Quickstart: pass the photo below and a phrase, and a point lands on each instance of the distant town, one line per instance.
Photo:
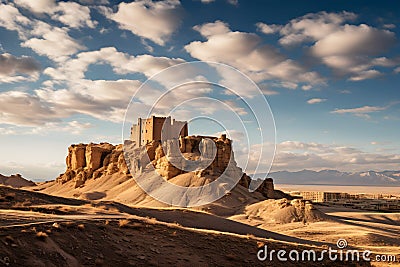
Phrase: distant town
(363, 201)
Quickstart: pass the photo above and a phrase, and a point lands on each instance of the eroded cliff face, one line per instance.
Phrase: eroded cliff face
(91, 161)
(197, 153)
(174, 157)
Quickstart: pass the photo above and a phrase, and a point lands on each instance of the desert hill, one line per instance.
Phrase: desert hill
(100, 172)
(16, 181)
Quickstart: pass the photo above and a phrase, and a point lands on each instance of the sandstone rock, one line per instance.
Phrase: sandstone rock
(76, 156)
(93, 161)
(95, 155)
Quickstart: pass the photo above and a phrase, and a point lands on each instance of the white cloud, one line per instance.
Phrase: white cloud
(122, 63)
(13, 20)
(246, 52)
(315, 100)
(74, 15)
(349, 50)
(210, 29)
(268, 29)
(153, 20)
(14, 68)
(53, 42)
(361, 111)
(41, 37)
(37, 6)
(20, 108)
(313, 27)
(354, 40)
(296, 155)
(71, 14)
(104, 100)
(367, 74)
(207, 1)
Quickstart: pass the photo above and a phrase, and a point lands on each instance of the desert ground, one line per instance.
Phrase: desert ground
(42, 230)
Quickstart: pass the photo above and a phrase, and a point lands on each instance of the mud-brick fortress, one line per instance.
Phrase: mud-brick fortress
(152, 129)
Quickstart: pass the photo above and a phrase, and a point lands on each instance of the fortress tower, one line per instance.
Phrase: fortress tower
(147, 130)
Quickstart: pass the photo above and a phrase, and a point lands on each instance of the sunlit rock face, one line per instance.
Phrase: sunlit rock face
(205, 156)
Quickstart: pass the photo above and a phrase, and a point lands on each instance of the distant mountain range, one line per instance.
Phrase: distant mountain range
(333, 177)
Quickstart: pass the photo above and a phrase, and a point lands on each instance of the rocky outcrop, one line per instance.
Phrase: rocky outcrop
(204, 156)
(91, 161)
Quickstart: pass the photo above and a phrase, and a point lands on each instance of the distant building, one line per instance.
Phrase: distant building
(147, 130)
(323, 196)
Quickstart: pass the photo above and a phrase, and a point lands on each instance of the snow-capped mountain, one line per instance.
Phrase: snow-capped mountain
(333, 177)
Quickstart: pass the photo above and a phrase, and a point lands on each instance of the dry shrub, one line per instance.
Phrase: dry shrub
(56, 225)
(123, 223)
(260, 244)
(41, 236)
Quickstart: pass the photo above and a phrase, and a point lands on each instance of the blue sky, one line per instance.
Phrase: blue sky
(329, 70)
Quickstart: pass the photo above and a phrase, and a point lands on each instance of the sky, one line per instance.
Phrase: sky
(329, 70)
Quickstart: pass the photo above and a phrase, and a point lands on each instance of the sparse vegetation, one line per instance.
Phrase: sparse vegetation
(123, 223)
(41, 236)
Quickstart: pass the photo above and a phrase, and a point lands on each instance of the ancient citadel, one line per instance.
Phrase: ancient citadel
(156, 129)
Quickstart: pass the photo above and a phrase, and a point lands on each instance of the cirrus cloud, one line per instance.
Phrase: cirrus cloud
(315, 100)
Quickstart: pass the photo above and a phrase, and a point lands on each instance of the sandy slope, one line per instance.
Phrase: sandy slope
(378, 232)
(43, 230)
(123, 189)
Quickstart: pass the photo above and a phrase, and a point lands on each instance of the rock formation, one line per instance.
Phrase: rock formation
(91, 161)
(205, 156)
